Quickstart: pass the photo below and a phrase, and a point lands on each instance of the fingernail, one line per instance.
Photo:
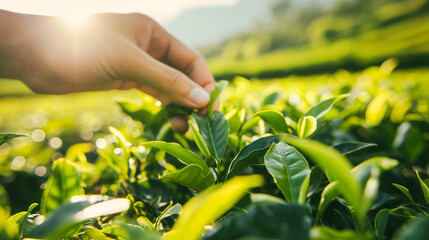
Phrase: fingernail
(199, 96)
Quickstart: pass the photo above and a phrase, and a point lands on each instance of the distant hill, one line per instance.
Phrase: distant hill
(207, 25)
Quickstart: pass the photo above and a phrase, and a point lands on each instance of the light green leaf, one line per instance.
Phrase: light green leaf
(249, 125)
(352, 146)
(214, 130)
(219, 87)
(323, 107)
(288, 168)
(265, 198)
(404, 212)
(192, 177)
(302, 198)
(123, 160)
(209, 205)
(271, 98)
(307, 125)
(94, 234)
(424, 186)
(275, 119)
(198, 138)
(333, 163)
(67, 219)
(4, 137)
(250, 153)
(326, 233)
(377, 109)
(20, 218)
(64, 183)
(328, 195)
(380, 223)
(185, 156)
(168, 211)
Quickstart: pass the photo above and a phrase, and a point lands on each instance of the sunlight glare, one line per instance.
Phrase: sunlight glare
(75, 20)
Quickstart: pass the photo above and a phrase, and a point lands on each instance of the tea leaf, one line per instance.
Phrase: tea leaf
(199, 139)
(377, 109)
(307, 125)
(209, 205)
(219, 87)
(214, 130)
(4, 137)
(415, 229)
(288, 168)
(250, 153)
(327, 233)
(380, 223)
(323, 107)
(275, 119)
(407, 194)
(185, 156)
(191, 176)
(292, 221)
(64, 183)
(352, 146)
(424, 186)
(21, 218)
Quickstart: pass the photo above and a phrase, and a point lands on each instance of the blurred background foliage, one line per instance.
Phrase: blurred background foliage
(299, 55)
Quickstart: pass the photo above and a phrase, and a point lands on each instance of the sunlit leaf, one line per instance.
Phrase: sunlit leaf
(377, 109)
(192, 177)
(20, 218)
(219, 87)
(307, 125)
(123, 160)
(94, 234)
(326, 233)
(275, 119)
(209, 205)
(214, 130)
(288, 168)
(323, 107)
(64, 183)
(199, 139)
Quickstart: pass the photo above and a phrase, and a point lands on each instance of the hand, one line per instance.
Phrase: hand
(112, 51)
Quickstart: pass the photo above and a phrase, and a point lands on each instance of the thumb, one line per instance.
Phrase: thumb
(172, 83)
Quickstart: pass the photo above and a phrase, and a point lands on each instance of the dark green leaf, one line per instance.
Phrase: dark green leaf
(192, 177)
(136, 112)
(275, 119)
(417, 229)
(4, 137)
(404, 212)
(214, 130)
(288, 168)
(407, 194)
(250, 153)
(351, 147)
(291, 221)
(380, 223)
(64, 183)
(185, 156)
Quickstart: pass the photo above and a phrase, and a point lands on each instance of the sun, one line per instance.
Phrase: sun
(75, 21)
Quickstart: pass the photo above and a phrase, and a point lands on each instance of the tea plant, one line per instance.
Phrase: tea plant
(334, 165)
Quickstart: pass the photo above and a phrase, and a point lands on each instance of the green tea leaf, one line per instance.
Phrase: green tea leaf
(275, 119)
(199, 139)
(63, 221)
(404, 212)
(4, 137)
(327, 233)
(292, 221)
(214, 130)
(333, 163)
(192, 177)
(413, 230)
(307, 125)
(407, 194)
(209, 205)
(94, 234)
(122, 162)
(185, 156)
(219, 87)
(265, 198)
(377, 109)
(135, 111)
(328, 195)
(250, 153)
(323, 107)
(352, 146)
(64, 183)
(271, 98)
(20, 218)
(380, 223)
(424, 186)
(288, 168)
(170, 210)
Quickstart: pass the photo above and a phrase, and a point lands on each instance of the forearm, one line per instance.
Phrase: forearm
(14, 44)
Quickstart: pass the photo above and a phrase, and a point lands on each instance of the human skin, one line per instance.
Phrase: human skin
(111, 51)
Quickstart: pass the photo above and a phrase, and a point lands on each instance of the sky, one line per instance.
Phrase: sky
(75, 10)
